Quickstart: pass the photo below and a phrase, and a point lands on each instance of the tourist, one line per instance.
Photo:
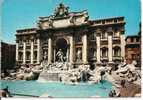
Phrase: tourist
(5, 92)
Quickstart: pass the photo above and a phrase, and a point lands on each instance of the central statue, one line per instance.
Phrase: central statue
(60, 55)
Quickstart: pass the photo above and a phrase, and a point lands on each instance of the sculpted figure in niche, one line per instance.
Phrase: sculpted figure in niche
(45, 55)
(78, 55)
(60, 55)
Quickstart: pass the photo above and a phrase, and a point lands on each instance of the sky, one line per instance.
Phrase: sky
(21, 14)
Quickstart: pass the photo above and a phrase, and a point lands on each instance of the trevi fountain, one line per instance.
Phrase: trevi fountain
(62, 79)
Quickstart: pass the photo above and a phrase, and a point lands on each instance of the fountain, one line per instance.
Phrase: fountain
(64, 72)
(61, 70)
(53, 72)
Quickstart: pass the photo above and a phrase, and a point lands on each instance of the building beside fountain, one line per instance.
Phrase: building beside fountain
(71, 37)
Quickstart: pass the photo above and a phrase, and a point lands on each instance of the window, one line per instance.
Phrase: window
(117, 51)
(78, 54)
(20, 42)
(92, 36)
(104, 35)
(137, 39)
(116, 34)
(134, 56)
(20, 56)
(104, 52)
(27, 41)
(35, 55)
(27, 55)
(132, 39)
(92, 53)
(20, 47)
(35, 41)
(115, 20)
(78, 38)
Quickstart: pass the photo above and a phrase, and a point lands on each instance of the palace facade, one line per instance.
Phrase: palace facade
(81, 40)
(133, 48)
(7, 57)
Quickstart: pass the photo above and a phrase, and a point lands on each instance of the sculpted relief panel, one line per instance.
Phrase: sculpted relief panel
(61, 23)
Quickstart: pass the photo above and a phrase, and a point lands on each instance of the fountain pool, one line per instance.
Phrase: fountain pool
(57, 89)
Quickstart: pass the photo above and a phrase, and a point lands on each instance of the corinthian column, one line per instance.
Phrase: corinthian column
(98, 47)
(122, 37)
(16, 51)
(38, 51)
(49, 50)
(24, 52)
(110, 46)
(71, 49)
(84, 49)
(32, 51)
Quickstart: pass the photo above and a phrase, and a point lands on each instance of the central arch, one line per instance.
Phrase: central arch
(63, 45)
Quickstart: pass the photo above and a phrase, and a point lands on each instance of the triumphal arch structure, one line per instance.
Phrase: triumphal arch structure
(71, 37)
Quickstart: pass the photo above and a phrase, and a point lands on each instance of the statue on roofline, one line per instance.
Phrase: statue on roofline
(61, 10)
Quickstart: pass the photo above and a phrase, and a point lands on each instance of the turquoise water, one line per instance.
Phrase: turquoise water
(57, 89)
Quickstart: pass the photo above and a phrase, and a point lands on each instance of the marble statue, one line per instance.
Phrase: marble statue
(60, 55)
(79, 55)
(61, 10)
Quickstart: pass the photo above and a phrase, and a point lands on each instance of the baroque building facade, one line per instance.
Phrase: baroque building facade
(81, 40)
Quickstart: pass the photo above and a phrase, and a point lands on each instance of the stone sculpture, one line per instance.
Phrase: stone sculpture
(60, 56)
(78, 55)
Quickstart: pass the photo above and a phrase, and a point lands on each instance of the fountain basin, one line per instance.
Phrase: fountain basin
(58, 89)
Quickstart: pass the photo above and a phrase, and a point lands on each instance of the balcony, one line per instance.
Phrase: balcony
(35, 61)
(116, 38)
(104, 39)
(27, 61)
(20, 48)
(20, 44)
(28, 44)
(104, 58)
(117, 57)
(28, 47)
(92, 58)
(35, 46)
(116, 45)
(20, 60)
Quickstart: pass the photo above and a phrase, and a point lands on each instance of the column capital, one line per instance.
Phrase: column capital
(122, 32)
(32, 38)
(98, 32)
(110, 33)
(50, 35)
(17, 40)
(38, 36)
(24, 39)
(110, 30)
